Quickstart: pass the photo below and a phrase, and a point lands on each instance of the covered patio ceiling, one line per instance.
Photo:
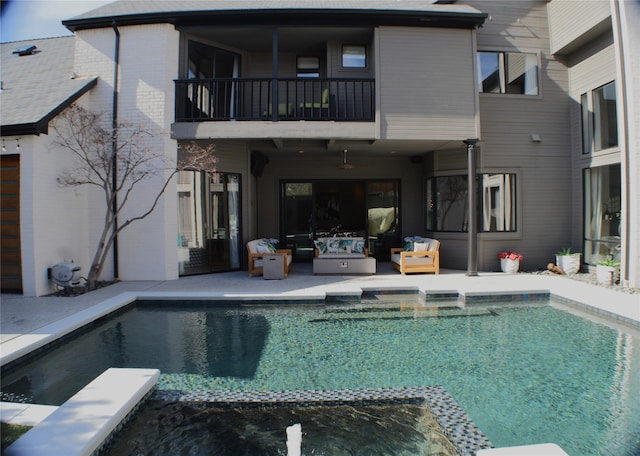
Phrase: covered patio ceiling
(281, 148)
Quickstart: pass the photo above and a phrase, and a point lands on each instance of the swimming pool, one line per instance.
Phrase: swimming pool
(524, 373)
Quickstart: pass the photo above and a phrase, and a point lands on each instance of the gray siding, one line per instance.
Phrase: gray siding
(593, 71)
(544, 192)
(426, 83)
(571, 20)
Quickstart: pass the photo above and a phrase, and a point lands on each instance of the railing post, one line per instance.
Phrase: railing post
(274, 84)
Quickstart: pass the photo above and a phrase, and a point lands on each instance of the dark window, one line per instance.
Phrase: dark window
(308, 67)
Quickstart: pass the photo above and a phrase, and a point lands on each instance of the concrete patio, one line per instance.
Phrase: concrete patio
(22, 315)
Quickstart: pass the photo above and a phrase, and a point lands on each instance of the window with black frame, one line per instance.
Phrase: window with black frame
(447, 203)
(308, 67)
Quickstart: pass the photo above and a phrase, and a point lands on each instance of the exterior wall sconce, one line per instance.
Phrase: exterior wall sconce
(535, 137)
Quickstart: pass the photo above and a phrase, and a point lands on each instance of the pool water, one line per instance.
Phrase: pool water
(525, 374)
(178, 428)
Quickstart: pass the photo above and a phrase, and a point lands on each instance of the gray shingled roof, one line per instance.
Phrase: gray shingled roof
(36, 87)
(140, 11)
(135, 7)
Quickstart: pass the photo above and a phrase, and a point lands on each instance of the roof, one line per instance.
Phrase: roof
(37, 86)
(412, 12)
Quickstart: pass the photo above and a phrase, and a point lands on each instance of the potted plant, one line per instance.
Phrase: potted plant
(510, 261)
(607, 271)
(568, 261)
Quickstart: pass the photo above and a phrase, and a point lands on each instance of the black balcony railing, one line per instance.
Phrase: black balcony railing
(219, 99)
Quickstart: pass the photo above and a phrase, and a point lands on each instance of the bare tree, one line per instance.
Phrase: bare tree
(116, 160)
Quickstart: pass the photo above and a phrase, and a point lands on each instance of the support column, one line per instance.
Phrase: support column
(472, 255)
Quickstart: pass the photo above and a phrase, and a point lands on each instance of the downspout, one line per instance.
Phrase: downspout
(114, 147)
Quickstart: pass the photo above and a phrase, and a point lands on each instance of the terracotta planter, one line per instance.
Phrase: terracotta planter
(570, 264)
(509, 266)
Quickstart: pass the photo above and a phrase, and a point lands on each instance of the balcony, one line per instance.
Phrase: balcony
(252, 99)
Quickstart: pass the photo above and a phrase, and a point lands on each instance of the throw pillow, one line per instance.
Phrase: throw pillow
(358, 246)
(268, 246)
(333, 246)
(321, 246)
(345, 246)
(262, 248)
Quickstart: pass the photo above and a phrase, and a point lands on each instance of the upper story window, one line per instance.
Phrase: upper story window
(354, 56)
(308, 67)
(605, 120)
(508, 72)
(599, 119)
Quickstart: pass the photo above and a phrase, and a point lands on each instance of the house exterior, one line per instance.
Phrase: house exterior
(329, 117)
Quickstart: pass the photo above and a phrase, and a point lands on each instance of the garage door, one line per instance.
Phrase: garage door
(10, 265)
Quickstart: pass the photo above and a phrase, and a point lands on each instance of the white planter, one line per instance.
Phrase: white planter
(570, 264)
(607, 274)
(509, 266)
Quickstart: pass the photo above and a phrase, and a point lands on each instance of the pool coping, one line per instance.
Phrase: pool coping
(83, 424)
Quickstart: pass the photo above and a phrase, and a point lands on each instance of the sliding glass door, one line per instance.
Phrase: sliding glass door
(340, 207)
(208, 222)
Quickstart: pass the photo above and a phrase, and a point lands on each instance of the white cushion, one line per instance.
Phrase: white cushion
(412, 261)
(419, 246)
(263, 248)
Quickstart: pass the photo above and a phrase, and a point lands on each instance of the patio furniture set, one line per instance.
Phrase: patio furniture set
(343, 255)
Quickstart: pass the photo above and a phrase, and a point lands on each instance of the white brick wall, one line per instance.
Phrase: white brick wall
(53, 221)
(148, 66)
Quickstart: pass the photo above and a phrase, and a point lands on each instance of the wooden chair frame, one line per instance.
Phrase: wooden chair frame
(257, 270)
(405, 268)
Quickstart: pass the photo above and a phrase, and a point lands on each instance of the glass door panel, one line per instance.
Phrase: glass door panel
(383, 217)
(298, 221)
(208, 222)
(338, 208)
(602, 213)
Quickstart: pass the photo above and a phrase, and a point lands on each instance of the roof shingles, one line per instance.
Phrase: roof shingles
(36, 86)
